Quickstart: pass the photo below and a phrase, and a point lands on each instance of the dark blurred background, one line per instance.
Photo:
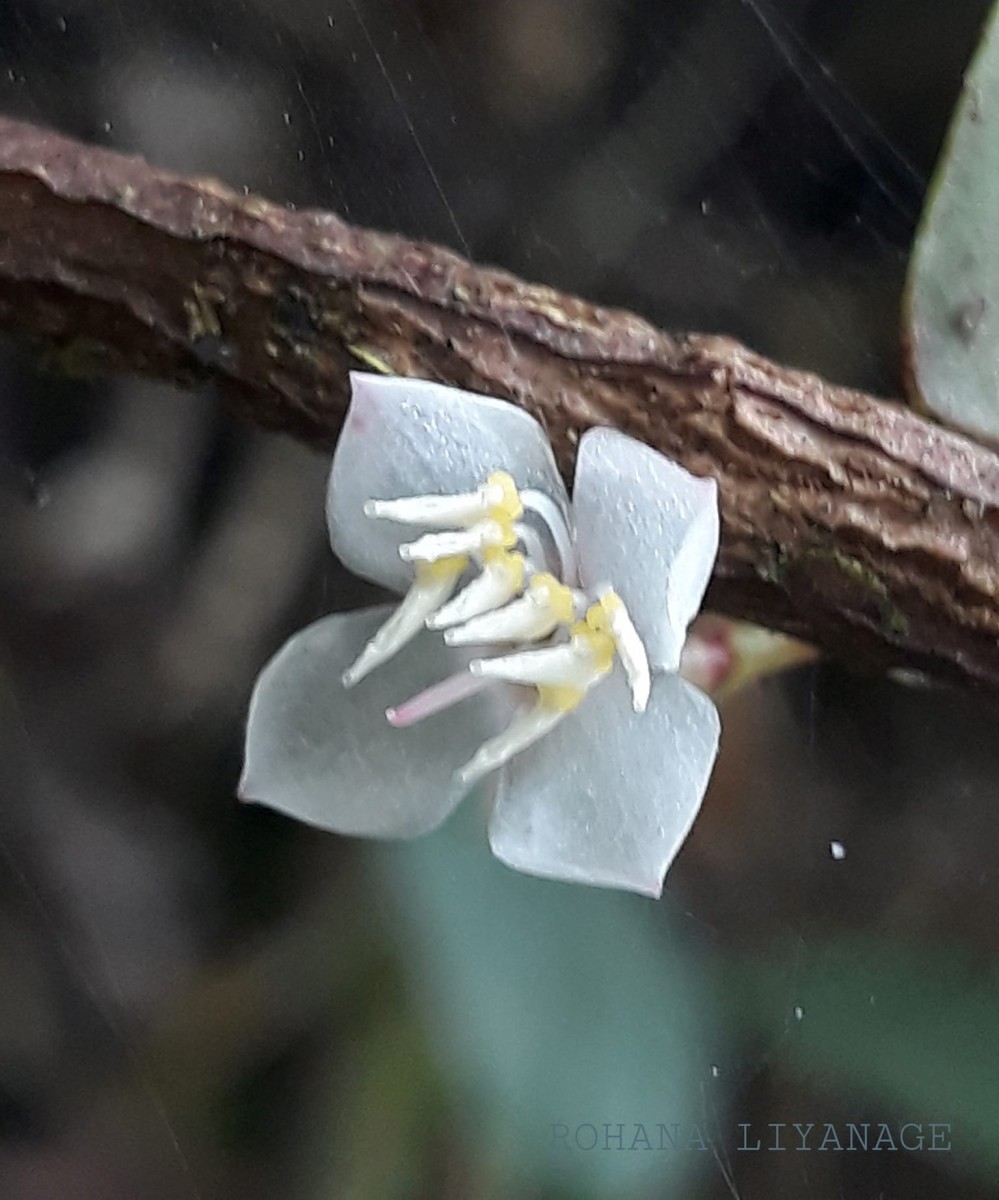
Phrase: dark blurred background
(204, 1001)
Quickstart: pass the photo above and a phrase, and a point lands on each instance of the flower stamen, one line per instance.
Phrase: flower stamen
(527, 727)
(496, 608)
(501, 578)
(497, 497)
(550, 514)
(544, 606)
(610, 615)
(433, 585)
(562, 675)
(476, 539)
(578, 663)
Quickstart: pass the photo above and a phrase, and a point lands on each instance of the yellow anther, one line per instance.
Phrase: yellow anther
(507, 535)
(559, 699)
(558, 598)
(509, 508)
(609, 617)
(611, 602)
(599, 643)
(599, 616)
(442, 568)
(509, 561)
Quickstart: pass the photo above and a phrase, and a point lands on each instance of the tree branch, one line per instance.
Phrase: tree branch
(847, 520)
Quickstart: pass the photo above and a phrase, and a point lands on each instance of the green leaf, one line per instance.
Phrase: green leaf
(552, 1005)
(952, 304)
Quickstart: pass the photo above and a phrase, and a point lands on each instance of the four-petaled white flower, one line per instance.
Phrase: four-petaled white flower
(377, 723)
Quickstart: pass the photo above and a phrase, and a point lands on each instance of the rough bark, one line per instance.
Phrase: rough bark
(847, 520)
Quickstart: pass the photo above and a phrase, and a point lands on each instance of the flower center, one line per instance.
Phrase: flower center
(511, 601)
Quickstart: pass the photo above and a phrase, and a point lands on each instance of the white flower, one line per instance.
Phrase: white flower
(376, 723)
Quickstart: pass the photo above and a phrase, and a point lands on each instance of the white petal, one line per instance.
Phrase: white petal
(409, 437)
(609, 795)
(648, 528)
(326, 755)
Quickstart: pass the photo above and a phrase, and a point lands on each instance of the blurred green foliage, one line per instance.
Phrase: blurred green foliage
(903, 1032)
(551, 1005)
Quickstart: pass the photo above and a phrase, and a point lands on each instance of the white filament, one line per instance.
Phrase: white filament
(434, 546)
(631, 651)
(550, 513)
(569, 665)
(528, 619)
(492, 588)
(534, 548)
(444, 512)
(525, 729)
(403, 625)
